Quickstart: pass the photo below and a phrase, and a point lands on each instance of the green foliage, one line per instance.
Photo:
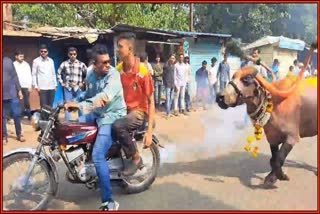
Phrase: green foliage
(253, 21)
(246, 21)
(165, 16)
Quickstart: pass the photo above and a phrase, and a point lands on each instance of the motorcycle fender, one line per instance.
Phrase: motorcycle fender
(44, 157)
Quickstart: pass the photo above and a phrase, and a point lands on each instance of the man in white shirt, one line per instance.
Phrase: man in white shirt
(296, 68)
(213, 79)
(44, 77)
(261, 70)
(180, 82)
(25, 79)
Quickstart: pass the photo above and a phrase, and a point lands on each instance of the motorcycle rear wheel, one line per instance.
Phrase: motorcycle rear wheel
(16, 196)
(136, 185)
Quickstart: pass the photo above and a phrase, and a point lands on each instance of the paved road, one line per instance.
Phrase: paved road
(204, 167)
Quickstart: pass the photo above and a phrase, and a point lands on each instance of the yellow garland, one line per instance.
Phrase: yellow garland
(258, 134)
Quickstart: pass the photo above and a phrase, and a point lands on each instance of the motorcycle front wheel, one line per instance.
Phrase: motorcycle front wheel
(19, 194)
(143, 178)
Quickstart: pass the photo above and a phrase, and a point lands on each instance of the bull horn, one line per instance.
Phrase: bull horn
(270, 87)
(308, 58)
(250, 70)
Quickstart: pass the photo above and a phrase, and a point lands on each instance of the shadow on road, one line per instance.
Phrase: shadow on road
(235, 164)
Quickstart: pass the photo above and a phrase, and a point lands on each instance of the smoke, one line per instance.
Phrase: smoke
(222, 131)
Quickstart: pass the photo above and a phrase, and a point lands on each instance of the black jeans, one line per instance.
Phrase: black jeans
(25, 110)
(47, 97)
(122, 127)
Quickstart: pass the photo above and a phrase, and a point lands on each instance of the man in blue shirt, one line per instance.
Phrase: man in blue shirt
(11, 95)
(202, 79)
(223, 74)
(103, 104)
(275, 70)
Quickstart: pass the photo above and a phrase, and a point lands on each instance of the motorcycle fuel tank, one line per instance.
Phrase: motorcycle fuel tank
(71, 133)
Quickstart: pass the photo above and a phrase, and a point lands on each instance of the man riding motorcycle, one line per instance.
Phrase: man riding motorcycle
(138, 94)
(103, 104)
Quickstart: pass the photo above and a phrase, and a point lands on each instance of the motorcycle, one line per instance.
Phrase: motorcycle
(30, 177)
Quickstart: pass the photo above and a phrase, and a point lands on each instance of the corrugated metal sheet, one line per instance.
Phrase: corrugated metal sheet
(195, 34)
(283, 42)
(21, 33)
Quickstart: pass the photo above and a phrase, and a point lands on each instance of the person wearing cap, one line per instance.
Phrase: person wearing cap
(202, 79)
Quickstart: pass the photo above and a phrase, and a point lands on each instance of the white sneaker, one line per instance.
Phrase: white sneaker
(110, 206)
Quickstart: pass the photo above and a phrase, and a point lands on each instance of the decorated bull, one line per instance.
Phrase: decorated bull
(285, 109)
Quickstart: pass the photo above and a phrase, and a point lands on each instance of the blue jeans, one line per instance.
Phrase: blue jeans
(14, 105)
(100, 149)
(169, 99)
(222, 85)
(188, 96)
(157, 92)
(70, 96)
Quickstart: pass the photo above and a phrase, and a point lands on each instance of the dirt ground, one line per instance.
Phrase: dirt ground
(204, 167)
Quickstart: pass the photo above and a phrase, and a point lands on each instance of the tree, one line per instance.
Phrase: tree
(165, 16)
(246, 21)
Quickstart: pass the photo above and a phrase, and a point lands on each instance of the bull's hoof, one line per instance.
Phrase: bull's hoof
(270, 180)
(282, 177)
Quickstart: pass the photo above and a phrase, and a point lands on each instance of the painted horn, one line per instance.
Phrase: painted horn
(250, 70)
(314, 46)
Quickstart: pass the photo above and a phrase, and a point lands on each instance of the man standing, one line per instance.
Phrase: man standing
(223, 74)
(256, 54)
(11, 95)
(180, 81)
(138, 93)
(157, 78)
(71, 75)
(44, 77)
(25, 79)
(188, 85)
(213, 80)
(296, 68)
(103, 104)
(168, 81)
(275, 70)
(202, 80)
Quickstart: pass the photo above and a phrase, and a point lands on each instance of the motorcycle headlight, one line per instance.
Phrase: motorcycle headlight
(35, 121)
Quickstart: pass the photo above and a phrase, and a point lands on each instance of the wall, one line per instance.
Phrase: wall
(267, 53)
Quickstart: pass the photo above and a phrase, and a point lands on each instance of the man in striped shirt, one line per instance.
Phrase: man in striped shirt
(71, 75)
